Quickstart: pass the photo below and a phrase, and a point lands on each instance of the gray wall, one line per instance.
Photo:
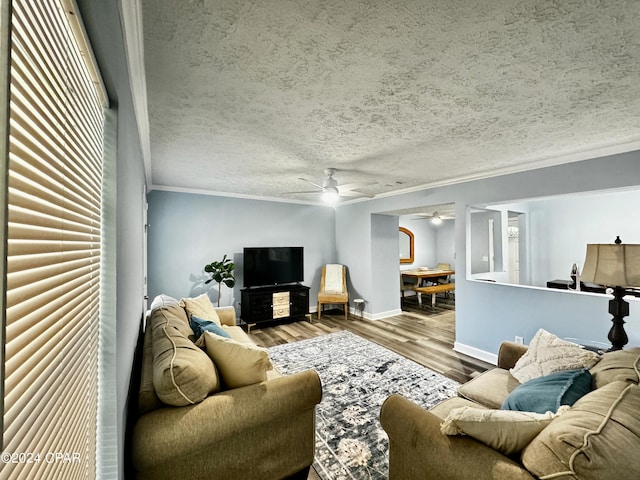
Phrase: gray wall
(561, 228)
(189, 231)
(487, 314)
(102, 22)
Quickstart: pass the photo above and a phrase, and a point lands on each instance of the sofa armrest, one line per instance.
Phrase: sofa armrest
(509, 354)
(227, 315)
(168, 434)
(420, 451)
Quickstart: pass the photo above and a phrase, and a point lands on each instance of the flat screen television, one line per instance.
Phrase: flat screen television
(265, 266)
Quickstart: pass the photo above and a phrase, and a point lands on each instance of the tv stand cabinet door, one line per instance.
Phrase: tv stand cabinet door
(300, 301)
(256, 306)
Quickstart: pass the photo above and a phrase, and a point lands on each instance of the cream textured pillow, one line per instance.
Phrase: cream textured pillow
(549, 354)
(503, 430)
(201, 307)
(239, 364)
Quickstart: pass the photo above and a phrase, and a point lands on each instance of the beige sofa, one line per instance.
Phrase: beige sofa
(597, 438)
(191, 424)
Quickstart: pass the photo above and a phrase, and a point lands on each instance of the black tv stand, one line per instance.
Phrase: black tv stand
(274, 302)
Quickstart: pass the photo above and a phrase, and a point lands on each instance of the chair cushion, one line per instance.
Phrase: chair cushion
(182, 373)
(503, 430)
(333, 278)
(619, 365)
(548, 393)
(239, 363)
(489, 388)
(547, 354)
(201, 307)
(598, 438)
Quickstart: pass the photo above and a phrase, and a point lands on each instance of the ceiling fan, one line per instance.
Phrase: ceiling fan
(435, 218)
(331, 190)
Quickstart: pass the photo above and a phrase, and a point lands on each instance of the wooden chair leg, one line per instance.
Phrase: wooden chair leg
(319, 310)
(346, 310)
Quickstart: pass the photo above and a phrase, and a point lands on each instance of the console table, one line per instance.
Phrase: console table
(266, 304)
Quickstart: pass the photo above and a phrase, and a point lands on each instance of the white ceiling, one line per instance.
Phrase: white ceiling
(246, 97)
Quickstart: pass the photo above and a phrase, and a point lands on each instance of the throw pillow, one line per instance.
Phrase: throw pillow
(548, 393)
(239, 364)
(598, 438)
(182, 373)
(201, 307)
(619, 365)
(199, 326)
(548, 354)
(506, 431)
(162, 300)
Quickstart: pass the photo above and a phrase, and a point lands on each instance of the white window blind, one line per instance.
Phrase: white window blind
(56, 130)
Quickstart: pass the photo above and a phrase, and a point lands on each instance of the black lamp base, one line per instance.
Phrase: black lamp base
(619, 308)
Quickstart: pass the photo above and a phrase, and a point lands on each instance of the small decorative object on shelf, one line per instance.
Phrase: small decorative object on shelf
(575, 277)
(616, 266)
(221, 272)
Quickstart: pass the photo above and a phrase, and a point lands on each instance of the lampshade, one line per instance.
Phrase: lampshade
(613, 265)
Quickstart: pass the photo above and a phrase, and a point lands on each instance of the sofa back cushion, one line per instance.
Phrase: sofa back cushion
(182, 373)
(620, 365)
(147, 398)
(596, 439)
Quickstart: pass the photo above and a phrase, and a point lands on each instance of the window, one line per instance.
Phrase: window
(54, 244)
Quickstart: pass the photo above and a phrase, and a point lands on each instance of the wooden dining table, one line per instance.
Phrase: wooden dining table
(423, 274)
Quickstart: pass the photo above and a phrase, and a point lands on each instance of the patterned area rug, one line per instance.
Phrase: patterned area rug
(357, 376)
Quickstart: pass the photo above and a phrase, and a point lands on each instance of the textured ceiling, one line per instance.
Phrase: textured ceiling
(245, 97)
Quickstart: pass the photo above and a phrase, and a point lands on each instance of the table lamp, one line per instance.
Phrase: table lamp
(617, 266)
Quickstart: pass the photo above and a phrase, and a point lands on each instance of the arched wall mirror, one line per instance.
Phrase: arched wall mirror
(406, 245)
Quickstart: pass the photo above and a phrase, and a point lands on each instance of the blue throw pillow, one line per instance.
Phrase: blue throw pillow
(549, 393)
(199, 326)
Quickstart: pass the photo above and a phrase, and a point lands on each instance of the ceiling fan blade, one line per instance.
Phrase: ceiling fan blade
(315, 192)
(354, 186)
(312, 183)
(353, 193)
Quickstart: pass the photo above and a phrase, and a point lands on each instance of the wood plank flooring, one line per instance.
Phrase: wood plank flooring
(424, 335)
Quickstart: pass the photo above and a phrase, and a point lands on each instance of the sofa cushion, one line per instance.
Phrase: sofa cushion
(182, 373)
(443, 408)
(503, 430)
(239, 363)
(489, 388)
(619, 365)
(199, 326)
(201, 307)
(598, 438)
(548, 393)
(147, 398)
(548, 354)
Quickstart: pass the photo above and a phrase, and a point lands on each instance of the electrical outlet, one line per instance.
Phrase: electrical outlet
(519, 340)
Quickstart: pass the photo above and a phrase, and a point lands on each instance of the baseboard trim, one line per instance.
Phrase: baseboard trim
(483, 355)
(381, 315)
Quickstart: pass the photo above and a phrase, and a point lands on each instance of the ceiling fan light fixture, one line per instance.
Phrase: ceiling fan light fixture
(330, 195)
(436, 219)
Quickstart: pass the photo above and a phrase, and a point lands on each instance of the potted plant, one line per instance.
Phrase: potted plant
(221, 272)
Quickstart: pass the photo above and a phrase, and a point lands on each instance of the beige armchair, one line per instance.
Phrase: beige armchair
(333, 288)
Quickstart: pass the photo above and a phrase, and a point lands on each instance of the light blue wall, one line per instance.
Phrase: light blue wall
(384, 259)
(562, 228)
(487, 314)
(189, 231)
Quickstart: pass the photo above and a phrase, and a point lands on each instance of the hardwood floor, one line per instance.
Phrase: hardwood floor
(424, 335)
